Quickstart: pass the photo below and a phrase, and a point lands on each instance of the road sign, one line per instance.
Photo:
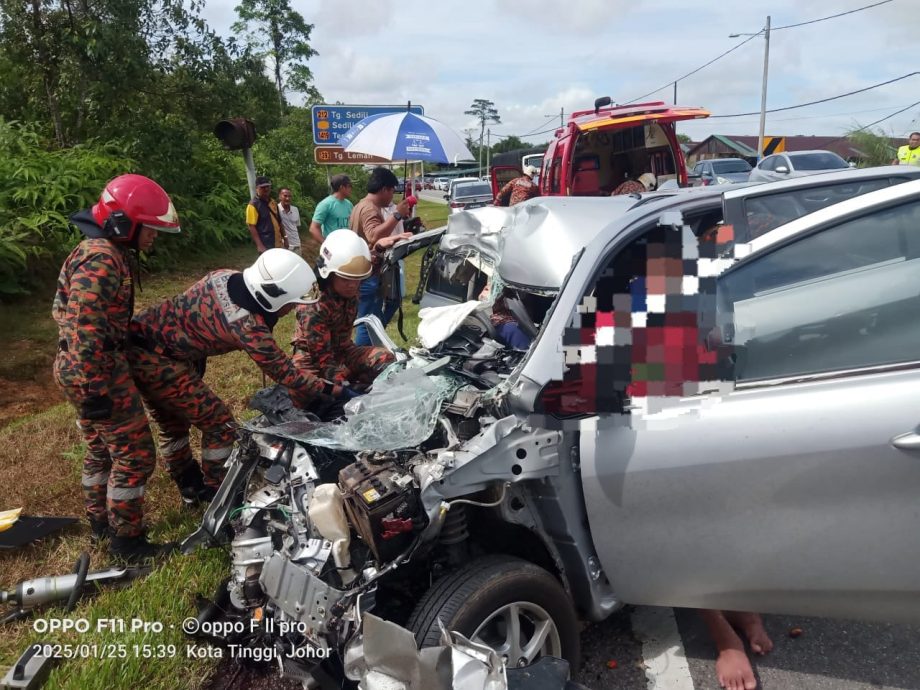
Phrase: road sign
(773, 145)
(336, 155)
(332, 121)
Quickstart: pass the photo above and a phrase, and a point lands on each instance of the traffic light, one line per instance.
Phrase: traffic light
(236, 133)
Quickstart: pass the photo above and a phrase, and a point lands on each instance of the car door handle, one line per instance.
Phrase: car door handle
(908, 441)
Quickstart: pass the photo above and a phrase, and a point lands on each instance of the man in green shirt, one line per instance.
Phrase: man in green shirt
(332, 212)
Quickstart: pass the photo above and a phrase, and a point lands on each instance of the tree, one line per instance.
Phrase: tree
(875, 147)
(484, 111)
(509, 144)
(684, 139)
(282, 33)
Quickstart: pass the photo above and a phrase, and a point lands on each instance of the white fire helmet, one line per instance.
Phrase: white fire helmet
(346, 254)
(280, 277)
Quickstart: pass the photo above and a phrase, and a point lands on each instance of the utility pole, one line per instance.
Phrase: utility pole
(561, 117)
(763, 97)
(488, 148)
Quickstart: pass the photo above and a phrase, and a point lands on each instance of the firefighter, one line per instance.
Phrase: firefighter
(224, 311)
(322, 341)
(92, 307)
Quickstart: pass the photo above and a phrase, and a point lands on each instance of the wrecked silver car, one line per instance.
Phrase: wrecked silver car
(431, 500)
(487, 489)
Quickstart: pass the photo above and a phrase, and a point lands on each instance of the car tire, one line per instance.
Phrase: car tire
(477, 600)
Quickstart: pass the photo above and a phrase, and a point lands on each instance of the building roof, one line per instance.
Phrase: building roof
(746, 145)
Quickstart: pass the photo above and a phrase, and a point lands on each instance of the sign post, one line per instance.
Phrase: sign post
(331, 122)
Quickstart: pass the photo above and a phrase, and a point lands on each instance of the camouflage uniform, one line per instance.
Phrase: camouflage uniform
(92, 307)
(323, 346)
(170, 340)
(517, 190)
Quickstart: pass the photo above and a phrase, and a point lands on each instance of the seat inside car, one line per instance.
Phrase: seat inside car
(586, 181)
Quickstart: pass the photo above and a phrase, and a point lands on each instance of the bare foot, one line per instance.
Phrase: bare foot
(734, 670)
(751, 624)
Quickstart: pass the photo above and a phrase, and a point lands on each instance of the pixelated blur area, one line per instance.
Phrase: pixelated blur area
(647, 331)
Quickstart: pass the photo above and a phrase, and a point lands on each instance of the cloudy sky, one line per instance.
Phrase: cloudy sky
(563, 54)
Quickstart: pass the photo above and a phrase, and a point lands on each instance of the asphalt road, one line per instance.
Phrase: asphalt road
(829, 654)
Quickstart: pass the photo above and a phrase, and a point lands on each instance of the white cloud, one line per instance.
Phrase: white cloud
(534, 58)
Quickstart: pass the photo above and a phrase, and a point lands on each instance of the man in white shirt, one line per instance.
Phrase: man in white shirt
(290, 220)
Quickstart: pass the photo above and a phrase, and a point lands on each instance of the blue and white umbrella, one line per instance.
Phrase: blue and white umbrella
(406, 137)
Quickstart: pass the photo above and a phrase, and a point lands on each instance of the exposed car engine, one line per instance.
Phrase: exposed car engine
(315, 528)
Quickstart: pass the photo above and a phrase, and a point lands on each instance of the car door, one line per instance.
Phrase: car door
(766, 169)
(791, 484)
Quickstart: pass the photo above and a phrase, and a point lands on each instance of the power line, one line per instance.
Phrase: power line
(823, 100)
(690, 74)
(887, 117)
(543, 124)
(750, 38)
(817, 117)
(833, 16)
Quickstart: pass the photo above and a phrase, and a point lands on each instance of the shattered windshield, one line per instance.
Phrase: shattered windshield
(400, 411)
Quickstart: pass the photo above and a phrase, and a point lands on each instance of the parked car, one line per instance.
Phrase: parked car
(598, 149)
(781, 166)
(720, 171)
(441, 184)
(469, 195)
(504, 493)
(454, 182)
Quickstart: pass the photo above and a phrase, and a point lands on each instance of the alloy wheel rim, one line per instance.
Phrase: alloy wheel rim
(520, 632)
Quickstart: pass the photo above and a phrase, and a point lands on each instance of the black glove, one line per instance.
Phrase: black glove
(97, 407)
(349, 393)
(326, 407)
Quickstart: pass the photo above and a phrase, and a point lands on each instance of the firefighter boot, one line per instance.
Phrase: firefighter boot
(192, 487)
(137, 550)
(99, 531)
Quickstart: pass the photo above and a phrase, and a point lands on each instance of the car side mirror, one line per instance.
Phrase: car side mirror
(446, 196)
(782, 169)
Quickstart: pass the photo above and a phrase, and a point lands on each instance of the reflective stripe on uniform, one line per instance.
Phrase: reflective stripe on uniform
(125, 493)
(216, 453)
(172, 447)
(95, 479)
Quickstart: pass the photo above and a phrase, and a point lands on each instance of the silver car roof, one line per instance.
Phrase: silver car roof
(545, 235)
(849, 175)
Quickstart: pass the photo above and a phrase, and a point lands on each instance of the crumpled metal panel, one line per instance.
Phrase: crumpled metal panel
(546, 233)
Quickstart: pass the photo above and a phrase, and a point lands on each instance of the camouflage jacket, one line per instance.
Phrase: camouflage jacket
(323, 345)
(204, 321)
(517, 190)
(92, 307)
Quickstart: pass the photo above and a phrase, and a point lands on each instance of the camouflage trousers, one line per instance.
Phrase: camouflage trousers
(177, 398)
(120, 454)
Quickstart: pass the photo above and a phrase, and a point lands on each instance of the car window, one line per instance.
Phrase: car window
(730, 167)
(844, 298)
(824, 160)
(556, 175)
(768, 212)
(474, 189)
(458, 277)
(768, 163)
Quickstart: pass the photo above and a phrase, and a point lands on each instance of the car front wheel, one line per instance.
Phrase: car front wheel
(515, 607)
